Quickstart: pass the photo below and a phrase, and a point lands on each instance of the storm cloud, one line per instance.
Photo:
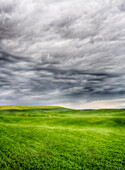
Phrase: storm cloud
(62, 52)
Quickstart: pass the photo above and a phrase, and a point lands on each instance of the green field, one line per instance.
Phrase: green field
(59, 138)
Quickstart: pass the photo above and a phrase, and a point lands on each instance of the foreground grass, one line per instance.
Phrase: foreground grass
(59, 138)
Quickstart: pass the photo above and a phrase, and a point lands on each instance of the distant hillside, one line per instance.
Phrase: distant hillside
(9, 107)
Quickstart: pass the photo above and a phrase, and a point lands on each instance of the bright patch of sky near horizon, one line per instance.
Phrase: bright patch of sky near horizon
(69, 53)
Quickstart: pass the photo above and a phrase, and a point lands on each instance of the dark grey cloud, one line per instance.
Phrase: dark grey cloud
(58, 52)
(29, 81)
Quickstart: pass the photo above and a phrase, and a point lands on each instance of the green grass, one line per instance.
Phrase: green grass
(61, 138)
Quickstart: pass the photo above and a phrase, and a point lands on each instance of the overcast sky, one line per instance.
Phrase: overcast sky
(62, 52)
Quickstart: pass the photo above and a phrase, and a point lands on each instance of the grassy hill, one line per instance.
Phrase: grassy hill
(60, 138)
(12, 107)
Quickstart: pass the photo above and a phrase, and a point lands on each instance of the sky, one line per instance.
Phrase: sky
(68, 53)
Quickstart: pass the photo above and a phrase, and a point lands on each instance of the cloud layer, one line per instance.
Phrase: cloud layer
(57, 52)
